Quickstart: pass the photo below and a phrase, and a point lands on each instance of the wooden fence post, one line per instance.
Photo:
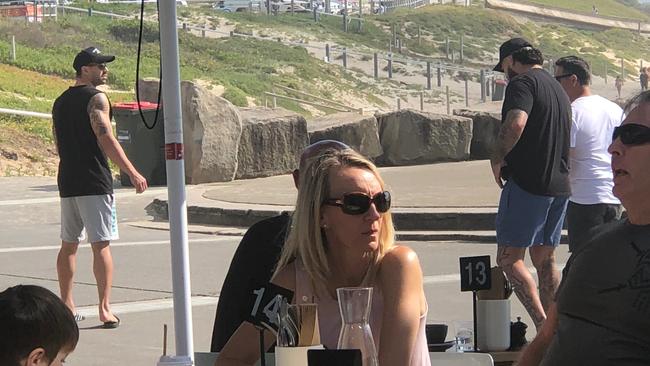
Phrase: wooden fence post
(376, 65)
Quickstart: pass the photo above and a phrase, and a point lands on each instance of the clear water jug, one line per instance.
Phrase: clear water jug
(355, 303)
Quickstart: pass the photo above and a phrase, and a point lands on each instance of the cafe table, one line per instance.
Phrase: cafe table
(437, 359)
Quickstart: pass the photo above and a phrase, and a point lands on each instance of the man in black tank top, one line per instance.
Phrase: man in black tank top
(84, 139)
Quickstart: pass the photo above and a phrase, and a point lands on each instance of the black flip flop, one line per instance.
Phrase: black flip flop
(112, 324)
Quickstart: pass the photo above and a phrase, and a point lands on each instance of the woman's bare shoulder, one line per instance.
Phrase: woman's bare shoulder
(399, 255)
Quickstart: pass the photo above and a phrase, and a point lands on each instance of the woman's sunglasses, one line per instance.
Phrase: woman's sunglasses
(359, 203)
(632, 134)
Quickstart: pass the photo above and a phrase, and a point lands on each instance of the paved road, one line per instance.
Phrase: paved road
(29, 226)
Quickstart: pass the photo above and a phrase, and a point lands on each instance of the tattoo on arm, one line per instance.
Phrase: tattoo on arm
(98, 111)
(509, 134)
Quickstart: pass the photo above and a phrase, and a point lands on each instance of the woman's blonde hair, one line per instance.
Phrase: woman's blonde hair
(305, 240)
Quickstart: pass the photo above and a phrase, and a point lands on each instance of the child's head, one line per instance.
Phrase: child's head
(36, 328)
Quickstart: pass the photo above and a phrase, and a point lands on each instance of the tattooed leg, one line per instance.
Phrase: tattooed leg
(544, 261)
(511, 261)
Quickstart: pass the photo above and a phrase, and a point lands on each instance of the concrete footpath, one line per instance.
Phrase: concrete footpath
(446, 201)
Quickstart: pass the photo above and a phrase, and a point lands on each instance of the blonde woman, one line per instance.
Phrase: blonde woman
(342, 235)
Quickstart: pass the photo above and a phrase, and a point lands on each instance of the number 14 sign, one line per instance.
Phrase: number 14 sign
(475, 273)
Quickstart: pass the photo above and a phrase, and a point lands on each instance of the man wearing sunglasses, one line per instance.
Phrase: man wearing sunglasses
(602, 310)
(592, 202)
(531, 164)
(258, 253)
(84, 139)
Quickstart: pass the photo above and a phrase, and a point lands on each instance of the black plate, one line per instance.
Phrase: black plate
(440, 347)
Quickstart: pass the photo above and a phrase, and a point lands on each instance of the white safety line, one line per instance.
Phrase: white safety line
(117, 244)
(35, 201)
(145, 306)
(450, 278)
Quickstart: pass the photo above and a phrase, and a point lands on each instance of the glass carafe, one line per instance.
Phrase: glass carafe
(355, 303)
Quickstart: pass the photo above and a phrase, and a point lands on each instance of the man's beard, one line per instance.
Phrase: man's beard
(511, 73)
(98, 81)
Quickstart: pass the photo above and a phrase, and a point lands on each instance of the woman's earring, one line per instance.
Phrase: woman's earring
(324, 227)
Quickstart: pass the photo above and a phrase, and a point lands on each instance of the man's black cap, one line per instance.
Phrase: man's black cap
(508, 48)
(91, 55)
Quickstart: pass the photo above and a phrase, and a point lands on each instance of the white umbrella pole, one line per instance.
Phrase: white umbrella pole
(176, 188)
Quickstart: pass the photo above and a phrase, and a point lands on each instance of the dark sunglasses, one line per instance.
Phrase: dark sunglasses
(359, 203)
(560, 77)
(99, 66)
(632, 134)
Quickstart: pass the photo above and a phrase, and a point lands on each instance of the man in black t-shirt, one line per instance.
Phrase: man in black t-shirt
(255, 259)
(84, 138)
(531, 164)
(602, 313)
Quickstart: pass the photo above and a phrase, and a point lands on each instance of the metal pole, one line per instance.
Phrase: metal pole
(439, 76)
(419, 34)
(176, 188)
(345, 57)
(292, 5)
(13, 48)
(466, 94)
(428, 75)
(327, 52)
(447, 93)
(399, 45)
(390, 65)
(399, 104)
(376, 65)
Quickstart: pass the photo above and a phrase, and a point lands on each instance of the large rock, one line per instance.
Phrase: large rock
(271, 142)
(211, 130)
(410, 137)
(485, 129)
(359, 132)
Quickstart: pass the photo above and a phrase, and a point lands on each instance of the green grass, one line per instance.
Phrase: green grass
(246, 67)
(611, 8)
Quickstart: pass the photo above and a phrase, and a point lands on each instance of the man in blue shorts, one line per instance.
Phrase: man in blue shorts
(531, 164)
(84, 138)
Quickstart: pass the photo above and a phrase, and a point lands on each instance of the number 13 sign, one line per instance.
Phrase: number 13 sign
(475, 273)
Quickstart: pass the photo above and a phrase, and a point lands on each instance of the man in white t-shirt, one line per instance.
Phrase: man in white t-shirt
(592, 202)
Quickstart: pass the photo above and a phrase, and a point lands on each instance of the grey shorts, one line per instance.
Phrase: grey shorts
(525, 219)
(95, 216)
(581, 219)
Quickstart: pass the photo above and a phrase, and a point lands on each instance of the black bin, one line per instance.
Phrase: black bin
(145, 148)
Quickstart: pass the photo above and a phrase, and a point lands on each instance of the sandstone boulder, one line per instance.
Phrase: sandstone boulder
(410, 137)
(485, 128)
(211, 131)
(212, 128)
(271, 142)
(359, 132)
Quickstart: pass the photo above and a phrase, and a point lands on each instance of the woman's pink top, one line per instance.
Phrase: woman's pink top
(329, 317)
